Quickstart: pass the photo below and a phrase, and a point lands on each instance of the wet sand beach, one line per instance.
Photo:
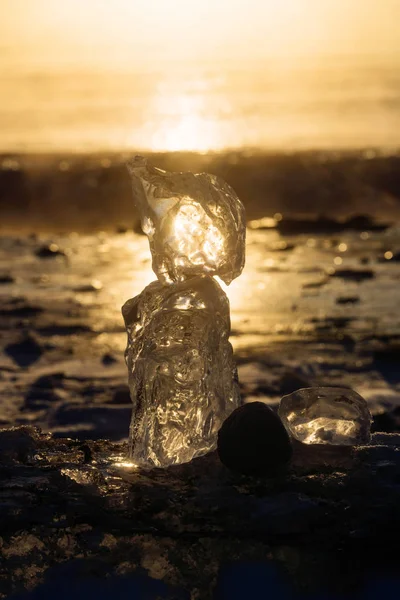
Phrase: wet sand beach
(317, 303)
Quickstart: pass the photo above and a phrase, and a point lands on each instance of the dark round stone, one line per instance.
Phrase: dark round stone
(49, 251)
(254, 441)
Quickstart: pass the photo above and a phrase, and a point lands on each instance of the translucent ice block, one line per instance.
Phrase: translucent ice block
(182, 377)
(195, 222)
(326, 415)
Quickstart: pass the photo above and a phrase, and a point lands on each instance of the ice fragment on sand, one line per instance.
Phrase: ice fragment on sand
(195, 222)
(326, 415)
(182, 377)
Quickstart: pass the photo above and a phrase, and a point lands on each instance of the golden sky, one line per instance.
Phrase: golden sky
(131, 32)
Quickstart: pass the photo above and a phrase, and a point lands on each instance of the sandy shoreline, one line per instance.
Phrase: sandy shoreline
(91, 192)
(308, 310)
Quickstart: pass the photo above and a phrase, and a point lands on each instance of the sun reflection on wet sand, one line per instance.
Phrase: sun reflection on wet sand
(121, 461)
(125, 464)
(278, 295)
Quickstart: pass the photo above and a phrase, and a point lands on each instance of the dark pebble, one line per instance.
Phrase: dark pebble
(49, 381)
(67, 329)
(49, 251)
(44, 391)
(353, 274)
(25, 352)
(37, 399)
(122, 230)
(315, 284)
(347, 300)
(6, 278)
(20, 310)
(108, 359)
(94, 286)
(253, 441)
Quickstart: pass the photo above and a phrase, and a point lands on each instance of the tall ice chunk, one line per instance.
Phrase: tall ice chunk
(195, 222)
(182, 377)
(326, 415)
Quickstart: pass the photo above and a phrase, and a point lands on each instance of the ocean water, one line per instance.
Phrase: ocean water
(342, 104)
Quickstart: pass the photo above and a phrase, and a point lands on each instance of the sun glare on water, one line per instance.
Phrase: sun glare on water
(181, 117)
(191, 75)
(188, 132)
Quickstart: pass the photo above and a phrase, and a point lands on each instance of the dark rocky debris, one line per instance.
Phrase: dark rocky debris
(108, 359)
(75, 514)
(348, 300)
(324, 224)
(6, 278)
(50, 250)
(353, 274)
(19, 307)
(26, 351)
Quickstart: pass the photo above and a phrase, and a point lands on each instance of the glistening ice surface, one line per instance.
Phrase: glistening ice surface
(324, 415)
(182, 377)
(195, 223)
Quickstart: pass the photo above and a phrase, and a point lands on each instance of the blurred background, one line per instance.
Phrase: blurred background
(296, 104)
(200, 76)
(96, 79)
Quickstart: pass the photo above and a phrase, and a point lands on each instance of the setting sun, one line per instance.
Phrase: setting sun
(183, 121)
(190, 132)
(189, 75)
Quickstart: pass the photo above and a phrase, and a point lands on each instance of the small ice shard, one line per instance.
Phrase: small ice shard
(195, 222)
(326, 415)
(182, 378)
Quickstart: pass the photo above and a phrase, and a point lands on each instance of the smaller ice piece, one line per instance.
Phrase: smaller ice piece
(326, 415)
(195, 222)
